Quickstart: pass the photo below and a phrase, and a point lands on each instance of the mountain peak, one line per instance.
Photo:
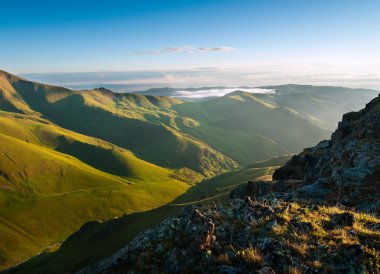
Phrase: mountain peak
(13, 77)
(9, 75)
(104, 90)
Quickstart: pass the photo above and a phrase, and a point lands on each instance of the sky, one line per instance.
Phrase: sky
(192, 42)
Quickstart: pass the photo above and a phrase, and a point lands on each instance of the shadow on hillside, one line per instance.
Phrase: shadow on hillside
(151, 142)
(94, 241)
(98, 240)
(101, 158)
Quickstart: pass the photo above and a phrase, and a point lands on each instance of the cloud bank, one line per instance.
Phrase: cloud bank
(367, 76)
(185, 49)
(217, 92)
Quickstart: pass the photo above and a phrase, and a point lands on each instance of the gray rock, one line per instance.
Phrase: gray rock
(226, 269)
(343, 219)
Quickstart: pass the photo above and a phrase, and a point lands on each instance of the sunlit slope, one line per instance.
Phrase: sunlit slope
(249, 128)
(95, 241)
(10, 100)
(95, 152)
(142, 124)
(45, 195)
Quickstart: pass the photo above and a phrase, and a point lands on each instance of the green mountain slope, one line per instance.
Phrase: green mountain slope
(97, 240)
(135, 122)
(46, 194)
(95, 152)
(249, 128)
(202, 136)
(321, 105)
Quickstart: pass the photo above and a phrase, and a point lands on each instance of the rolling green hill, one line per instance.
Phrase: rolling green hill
(321, 105)
(135, 122)
(97, 240)
(52, 180)
(202, 136)
(249, 128)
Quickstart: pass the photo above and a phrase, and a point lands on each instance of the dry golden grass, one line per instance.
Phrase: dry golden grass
(300, 248)
(224, 259)
(295, 270)
(265, 178)
(251, 256)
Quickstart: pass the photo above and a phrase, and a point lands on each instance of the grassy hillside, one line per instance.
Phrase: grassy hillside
(97, 240)
(95, 152)
(46, 194)
(321, 105)
(139, 123)
(168, 132)
(252, 128)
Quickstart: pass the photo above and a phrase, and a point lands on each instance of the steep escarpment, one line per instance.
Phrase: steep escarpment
(344, 169)
(318, 215)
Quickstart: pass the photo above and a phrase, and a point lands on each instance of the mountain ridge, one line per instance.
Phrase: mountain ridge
(95, 113)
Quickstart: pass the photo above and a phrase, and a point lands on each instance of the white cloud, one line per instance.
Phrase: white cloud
(185, 49)
(148, 52)
(217, 92)
(216, 49)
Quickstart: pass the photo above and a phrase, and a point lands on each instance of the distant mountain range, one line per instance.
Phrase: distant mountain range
(68, 157)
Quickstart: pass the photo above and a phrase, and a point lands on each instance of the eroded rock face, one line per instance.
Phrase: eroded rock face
(344, 168)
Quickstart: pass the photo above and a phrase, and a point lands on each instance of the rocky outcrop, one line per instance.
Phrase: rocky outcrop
(344, 169)
(247, 236)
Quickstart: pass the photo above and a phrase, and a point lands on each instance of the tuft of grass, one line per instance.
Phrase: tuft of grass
(301, 248)
(372, 262)
(295, 270)
(224, 259)
(250, 256)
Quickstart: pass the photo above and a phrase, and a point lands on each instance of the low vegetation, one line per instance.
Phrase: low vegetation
(247, 236)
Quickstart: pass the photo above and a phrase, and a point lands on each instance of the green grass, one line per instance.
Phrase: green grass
(252, 129)
(168, 132)
(46, 195)
(95, 152)
(275, 161)
(221, 185)
(134, 122)
(175, 134)
(98, 240)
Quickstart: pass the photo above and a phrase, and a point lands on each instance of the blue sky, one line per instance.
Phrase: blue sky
(251, 37)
